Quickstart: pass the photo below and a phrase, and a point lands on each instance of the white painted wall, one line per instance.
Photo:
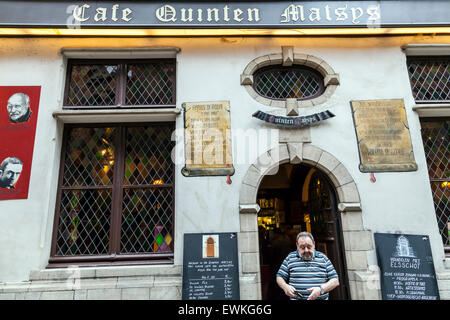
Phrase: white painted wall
(209, 69)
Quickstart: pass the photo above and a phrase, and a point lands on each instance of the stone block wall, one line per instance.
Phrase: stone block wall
(105, 283)
(113, 283)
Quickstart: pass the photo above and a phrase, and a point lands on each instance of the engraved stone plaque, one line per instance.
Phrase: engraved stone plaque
(383, 136)
(207, 139)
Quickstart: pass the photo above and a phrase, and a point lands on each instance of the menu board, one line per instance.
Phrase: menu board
(210, 266)
(383, 136)
(207, 139)
(407, 269)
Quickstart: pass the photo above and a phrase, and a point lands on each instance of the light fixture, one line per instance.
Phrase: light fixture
(165, 32)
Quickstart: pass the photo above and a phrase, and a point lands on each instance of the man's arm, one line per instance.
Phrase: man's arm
(330, 285)
(327, 287)
(288, 289)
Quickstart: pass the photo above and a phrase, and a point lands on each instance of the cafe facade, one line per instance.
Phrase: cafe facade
(128, 126)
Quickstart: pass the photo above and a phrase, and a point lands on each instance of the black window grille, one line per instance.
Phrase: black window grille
(430, 79)
(281, 83)
(113, 83)
(116, 194)
(436, 142)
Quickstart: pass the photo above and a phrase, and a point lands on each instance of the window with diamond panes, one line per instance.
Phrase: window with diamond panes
(116, 194)
(281, 83)
(118, 83)
(436, 142)
(429, 78)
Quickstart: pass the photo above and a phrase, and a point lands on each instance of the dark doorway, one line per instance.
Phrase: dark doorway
(298, 198)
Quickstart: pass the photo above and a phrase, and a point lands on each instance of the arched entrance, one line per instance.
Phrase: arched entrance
(298, 198)
(358, 241)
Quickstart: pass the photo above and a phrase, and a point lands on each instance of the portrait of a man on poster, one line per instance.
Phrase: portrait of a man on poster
(18, 107)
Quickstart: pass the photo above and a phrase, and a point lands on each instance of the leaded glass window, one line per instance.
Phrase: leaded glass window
(281, 83)
(436, 142)
(430, 78)
(116, 194)
(119, 83)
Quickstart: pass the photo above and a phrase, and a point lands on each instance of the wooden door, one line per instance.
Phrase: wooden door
(326, 229)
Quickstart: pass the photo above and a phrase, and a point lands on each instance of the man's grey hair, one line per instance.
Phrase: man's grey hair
(24, 97)
(305, 234)
(12, 160)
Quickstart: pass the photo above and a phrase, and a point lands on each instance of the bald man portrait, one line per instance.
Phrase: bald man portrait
(19, 108)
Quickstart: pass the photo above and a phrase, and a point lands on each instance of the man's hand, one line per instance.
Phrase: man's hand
(315, 293)
(289, 291)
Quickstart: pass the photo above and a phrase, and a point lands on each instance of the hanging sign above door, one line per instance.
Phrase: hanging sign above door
(301, 121)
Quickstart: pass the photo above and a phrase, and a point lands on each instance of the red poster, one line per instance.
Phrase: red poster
(19, 107)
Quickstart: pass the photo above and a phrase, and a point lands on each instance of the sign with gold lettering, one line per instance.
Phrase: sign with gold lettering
(383, 136)
(220, 14)
(207, 139)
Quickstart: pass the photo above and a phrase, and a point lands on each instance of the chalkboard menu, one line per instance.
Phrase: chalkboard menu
(210, 266)
(407, 269)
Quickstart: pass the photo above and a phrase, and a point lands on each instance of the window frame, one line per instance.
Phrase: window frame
(114, 257)
(432, 110)
(287, 58)
(120, 90)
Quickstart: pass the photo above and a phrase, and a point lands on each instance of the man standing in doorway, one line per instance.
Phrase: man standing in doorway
(307, 274)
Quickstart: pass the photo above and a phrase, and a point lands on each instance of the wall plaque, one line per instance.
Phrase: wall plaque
(210, 266)
(407, 269)
(383, 136)
(207, 139)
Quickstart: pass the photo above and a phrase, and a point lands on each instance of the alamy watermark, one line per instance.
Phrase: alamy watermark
(212, 146)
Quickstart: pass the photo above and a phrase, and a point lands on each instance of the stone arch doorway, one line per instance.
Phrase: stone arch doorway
(357, 241)
(298, 198)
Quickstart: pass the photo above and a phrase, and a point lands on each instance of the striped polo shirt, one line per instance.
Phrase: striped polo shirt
(303, 274)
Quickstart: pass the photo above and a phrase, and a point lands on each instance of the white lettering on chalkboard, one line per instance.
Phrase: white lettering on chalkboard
(405, 263)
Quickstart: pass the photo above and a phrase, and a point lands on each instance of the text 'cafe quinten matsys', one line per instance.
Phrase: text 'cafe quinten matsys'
(174, 150)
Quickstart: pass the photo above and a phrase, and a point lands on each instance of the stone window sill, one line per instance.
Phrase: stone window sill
(433, 109)
(115, 115)
(105, 272)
